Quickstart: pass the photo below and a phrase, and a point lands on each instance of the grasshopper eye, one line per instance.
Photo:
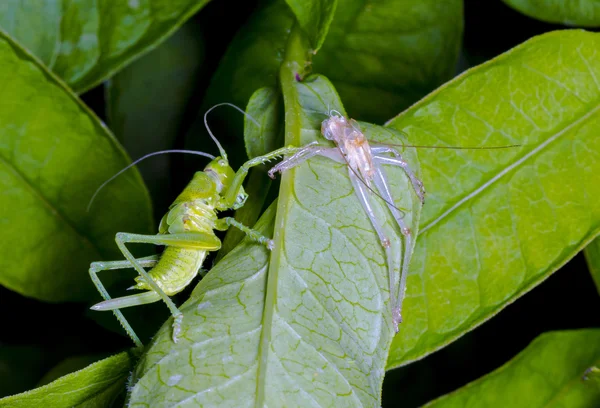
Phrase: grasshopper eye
(222, 163)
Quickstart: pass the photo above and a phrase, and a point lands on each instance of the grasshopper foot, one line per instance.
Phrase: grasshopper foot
(177, 320)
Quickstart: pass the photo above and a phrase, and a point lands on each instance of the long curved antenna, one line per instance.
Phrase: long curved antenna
(450, 147)
(221, 150)
(210, 156)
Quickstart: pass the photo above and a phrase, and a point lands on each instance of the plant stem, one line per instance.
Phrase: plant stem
(296, 57)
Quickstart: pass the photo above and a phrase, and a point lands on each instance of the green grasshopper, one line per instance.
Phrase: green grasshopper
(187, 232)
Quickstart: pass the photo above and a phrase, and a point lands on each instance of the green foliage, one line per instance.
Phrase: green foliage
(499, 204)
(264, 108)
(147, 101)
(97, 385)
(85, 41)
(277, 324)
(551, 372)
(585, 13)
(381, 56)
(308, 323)
(54, 154)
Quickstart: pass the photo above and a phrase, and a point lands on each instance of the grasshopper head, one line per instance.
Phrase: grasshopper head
(221, 172)
(333, 127)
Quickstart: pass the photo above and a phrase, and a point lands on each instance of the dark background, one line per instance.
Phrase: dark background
(35, 335)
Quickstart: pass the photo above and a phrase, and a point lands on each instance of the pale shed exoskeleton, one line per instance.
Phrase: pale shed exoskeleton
(366, 174)
(187, 232)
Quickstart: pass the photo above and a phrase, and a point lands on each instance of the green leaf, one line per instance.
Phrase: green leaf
(97, 385)
(86, 41)
(147, 105)
(264, 106)
(496, 223)
(314, 17)
(585, 13)
(548, 373)
(309, 326)
(381, 56)
(384, 56)
(53, 154)
(592, 256)
(68, 366)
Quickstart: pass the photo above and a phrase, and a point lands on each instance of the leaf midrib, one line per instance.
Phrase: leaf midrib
(50, 207)
(509, 168)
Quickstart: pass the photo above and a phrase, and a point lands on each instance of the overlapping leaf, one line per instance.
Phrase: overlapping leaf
(85, 41)
(53, 154)
(498, 222)
(97, 385)
(585, 13)
(550, 372)
(263, 108)
(382, 56)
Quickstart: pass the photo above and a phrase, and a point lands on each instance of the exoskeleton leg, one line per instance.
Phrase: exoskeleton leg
(96, 267)
(193, 240)
(364, 197)
(303, 154)
(399, 161)
(380, 179)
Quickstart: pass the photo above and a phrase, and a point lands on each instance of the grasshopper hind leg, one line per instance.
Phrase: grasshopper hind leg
(363, 197)
(96, 267)
(380, 180)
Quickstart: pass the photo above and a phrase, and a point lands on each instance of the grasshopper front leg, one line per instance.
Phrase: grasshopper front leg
(230, 196)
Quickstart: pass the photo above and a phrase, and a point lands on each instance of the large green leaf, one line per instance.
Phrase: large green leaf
(592, 256)
(585, 13)
(53, 154)
(498, 222)
(86, 41)
(147, 104)
(382, 56)
(97, 385)
(312, 325)
(549, 373)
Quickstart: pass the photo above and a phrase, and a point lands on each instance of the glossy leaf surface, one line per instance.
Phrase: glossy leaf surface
(585, 13)
(86, 41)
(54, 153)
(498, 222)
(97, 385)
(549, 373)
